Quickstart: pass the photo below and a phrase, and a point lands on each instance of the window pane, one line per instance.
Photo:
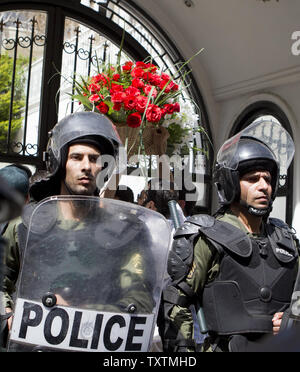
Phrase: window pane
(22, 42)
(84, 52)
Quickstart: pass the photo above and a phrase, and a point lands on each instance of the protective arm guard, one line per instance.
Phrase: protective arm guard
(175, 320)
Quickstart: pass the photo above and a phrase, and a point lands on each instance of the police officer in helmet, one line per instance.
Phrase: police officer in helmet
(238, 267)
(76, 145)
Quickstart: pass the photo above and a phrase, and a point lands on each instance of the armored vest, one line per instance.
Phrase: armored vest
(256, 275)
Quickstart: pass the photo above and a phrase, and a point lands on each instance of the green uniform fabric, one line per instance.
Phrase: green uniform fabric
(204, 269)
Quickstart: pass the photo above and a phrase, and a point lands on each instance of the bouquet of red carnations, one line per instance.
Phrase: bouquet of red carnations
(130, 93)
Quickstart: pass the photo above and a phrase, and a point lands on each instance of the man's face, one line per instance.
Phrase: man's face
(256, 189)
(82, 169)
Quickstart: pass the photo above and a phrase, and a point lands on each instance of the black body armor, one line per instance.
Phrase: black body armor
(256, 276)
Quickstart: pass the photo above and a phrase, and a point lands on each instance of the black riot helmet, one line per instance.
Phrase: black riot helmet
(80, 127)
(264, 145)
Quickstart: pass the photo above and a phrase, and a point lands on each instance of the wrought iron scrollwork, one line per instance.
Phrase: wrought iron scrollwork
(11, 45)
(67, 45)
(20, 148)
(7, 42)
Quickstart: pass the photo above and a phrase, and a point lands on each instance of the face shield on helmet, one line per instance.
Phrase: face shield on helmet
(80, 127)
(264, 145)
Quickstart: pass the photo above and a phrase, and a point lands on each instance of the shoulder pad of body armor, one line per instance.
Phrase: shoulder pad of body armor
(182, 251)
(223, 233)
(278, 223)
(192, 224)
(230, 237)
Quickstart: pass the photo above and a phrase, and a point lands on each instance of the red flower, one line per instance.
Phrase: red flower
(129, 63)
(116, 77)
(94, 88)
(155, 79)
(129, 103)
(137, 83)
(104, 79)
(147, 76)
(127, 67)
(117, 106)
(141, 64)
(151, 67)
(134, 120)
(169, 108)
(147, 90)
(175, 87)
(103, 107)
(137, 73)
(132, 91)
(153, 113)
(176, 107)
(118, 97)
(116, 88)
(166, 86)
(94, 98)
(140, 103)
(165, 76)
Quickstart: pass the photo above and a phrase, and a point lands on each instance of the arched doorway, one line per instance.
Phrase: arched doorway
(59, 38)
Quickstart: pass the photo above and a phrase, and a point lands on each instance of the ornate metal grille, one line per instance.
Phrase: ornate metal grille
(86, 33)
(83, 51)
(20, 40)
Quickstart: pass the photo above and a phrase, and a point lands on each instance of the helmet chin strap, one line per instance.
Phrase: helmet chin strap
(258, 212)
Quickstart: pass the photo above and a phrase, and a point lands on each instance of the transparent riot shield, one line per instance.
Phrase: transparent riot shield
(91, 278)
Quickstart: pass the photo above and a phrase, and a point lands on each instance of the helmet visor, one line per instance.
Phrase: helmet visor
(270, 133)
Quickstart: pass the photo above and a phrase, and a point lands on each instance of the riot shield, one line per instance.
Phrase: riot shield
(91, 277)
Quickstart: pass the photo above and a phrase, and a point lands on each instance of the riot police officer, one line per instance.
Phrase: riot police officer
(240, 266)
(90, 255)
(75, 147)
